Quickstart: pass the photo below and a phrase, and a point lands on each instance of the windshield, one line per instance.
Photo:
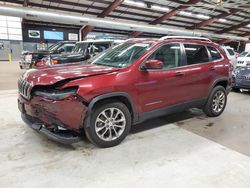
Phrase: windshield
(121, 55)
(53, 47)
(243, 54)
(80, 48)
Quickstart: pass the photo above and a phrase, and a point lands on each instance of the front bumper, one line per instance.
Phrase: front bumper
(60, 121)
(61, 136)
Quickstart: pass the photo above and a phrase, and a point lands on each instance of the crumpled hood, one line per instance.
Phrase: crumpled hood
(51, 75)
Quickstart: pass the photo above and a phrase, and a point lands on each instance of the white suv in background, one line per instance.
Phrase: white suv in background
(243, 59)
(231, 55)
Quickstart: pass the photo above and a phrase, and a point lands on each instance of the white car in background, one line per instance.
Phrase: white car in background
(243, 59)
(231, 55)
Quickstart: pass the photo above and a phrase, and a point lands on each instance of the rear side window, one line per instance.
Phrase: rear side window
(215, 54)
(196, 54)
(230, 51)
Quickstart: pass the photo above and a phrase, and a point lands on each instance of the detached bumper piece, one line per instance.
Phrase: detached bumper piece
(61, 136)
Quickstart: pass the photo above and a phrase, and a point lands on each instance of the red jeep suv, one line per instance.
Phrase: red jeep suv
(123, 86)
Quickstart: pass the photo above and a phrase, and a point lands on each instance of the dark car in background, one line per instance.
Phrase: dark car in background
(82, 51)
(241, 78)
(30, 59)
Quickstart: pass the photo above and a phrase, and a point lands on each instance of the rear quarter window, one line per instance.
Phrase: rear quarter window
(196, 54)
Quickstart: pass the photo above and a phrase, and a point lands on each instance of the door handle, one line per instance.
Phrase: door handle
(212, 68)
(179, 73)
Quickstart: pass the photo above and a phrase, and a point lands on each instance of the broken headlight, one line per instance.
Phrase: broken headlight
(56, 94)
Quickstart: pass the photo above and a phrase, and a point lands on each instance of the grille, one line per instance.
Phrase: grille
(240, 62)
(243, 77)
(24, 88)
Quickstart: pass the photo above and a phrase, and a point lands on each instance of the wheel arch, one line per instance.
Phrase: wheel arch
(117, 96)
(224, 82)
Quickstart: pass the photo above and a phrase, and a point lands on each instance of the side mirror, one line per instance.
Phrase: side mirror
(153, 64)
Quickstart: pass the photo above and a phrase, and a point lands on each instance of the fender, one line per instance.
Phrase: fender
(108, 96)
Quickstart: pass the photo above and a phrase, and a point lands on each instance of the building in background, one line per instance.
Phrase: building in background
(10, 37)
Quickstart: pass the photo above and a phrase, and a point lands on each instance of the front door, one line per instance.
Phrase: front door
(161, 88)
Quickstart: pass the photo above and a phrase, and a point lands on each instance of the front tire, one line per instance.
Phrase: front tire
(216, 102)
(110, 124)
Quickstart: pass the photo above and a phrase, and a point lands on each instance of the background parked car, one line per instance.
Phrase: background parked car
(231, 55)
(243, 59)
(30, 59)
(241, 78)
(82, 51)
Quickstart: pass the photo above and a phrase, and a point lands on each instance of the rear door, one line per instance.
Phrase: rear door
(199, 71)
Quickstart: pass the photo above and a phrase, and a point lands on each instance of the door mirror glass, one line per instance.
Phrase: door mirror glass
(153, 64)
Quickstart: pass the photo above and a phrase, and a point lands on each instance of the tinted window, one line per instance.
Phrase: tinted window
(248, 55)
(196, 54)
(169, 54)
(230, 51)
(214, 53)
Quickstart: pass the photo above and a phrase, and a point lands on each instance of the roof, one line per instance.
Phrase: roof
(230, 17)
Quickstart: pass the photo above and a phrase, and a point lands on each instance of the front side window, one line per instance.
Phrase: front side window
(169, 54)
(196, 54)
(215, 54)
(121, 55)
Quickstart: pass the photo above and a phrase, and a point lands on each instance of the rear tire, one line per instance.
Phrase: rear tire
(216, 102)
(110, 124)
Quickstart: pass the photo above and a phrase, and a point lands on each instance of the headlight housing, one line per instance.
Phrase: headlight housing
(56, 94)
(248, 63)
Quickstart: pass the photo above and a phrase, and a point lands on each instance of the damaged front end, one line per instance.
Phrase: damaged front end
(52, 110)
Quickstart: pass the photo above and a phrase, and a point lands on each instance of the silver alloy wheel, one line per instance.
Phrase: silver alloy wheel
(110, 124)
(218, 101)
